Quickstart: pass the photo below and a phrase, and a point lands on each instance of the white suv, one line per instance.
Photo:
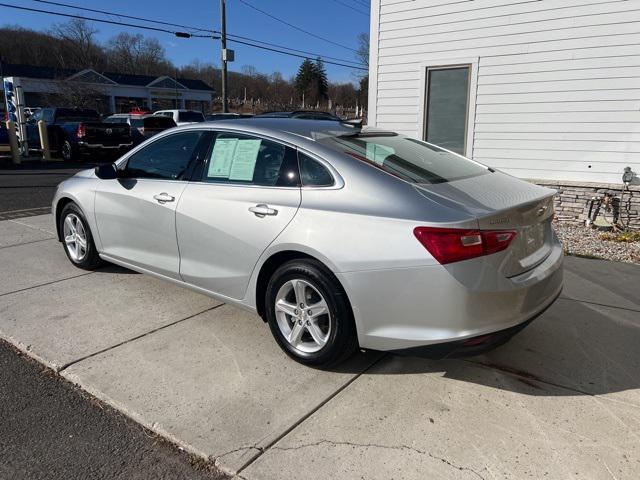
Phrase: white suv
(182, 117)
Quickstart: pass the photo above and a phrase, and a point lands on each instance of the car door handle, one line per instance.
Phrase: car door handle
(164, 197)
(261, 210)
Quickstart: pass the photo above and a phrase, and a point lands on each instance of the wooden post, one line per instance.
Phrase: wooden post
(13, 142)
(44, 140)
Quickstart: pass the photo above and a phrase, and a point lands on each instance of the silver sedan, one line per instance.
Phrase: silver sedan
(338, 237)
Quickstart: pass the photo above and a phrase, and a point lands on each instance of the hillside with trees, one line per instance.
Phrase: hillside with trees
(74, 45)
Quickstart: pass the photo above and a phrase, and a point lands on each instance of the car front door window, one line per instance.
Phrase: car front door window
(168, 158)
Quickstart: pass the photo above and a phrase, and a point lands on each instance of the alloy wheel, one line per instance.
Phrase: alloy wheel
(75, 237)
(303, 315)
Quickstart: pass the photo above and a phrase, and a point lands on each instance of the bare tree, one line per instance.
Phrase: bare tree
(74, 94)
(136, 54)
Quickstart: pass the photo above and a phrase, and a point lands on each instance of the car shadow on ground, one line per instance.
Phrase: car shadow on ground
(116, 269)
(574, 348)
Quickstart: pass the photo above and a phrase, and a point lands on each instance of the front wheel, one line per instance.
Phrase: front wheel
(77, 238)
(309, 314)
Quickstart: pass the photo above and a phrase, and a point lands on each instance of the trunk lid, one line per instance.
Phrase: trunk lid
(501, 202)
(109, 134)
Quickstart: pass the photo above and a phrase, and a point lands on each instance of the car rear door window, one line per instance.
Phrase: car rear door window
(168, 158)
(244, 159)
(312, 173)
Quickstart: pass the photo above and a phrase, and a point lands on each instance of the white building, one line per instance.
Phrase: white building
(546, 90)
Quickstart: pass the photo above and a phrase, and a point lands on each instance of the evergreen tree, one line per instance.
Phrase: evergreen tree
(321, 81)
(305, 79)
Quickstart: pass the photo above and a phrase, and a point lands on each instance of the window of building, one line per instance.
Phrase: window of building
(447, 107)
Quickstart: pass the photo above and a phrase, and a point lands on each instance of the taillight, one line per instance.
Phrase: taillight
(448, 245)
(82, 130)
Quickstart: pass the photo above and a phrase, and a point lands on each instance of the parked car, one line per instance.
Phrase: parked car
(226, 116)
(182, 117)
(78, 131)
(301, 114)
(338, 237)
(142, 126)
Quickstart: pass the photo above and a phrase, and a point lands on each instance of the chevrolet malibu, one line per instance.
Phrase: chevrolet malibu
(339, 237)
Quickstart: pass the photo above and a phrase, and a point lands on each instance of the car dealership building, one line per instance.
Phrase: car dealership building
(548, 91)
(108, 92)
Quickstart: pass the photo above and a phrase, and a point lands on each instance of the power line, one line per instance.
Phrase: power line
(299, 56)
(198, 29)
(104, 12)
(356, 63)
(363, 3)
(351, 7)
(112, 22)
(179, 34)
(295, 26)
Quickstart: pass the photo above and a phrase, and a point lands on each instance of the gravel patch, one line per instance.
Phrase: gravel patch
(586, 242)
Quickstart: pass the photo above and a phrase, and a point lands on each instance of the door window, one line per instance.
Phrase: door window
(447, 107)
(168, 158)
(243, 159)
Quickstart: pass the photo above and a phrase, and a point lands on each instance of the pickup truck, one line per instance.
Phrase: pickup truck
(78, 131)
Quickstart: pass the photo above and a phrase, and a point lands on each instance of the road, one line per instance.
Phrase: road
(28, 189)
(50, 430)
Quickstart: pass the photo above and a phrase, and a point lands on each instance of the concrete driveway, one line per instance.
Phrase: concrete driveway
(561, 400)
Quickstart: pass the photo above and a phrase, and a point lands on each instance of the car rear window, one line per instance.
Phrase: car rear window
(72, 115)
(190, 117)
(406, 158)
(158, 122)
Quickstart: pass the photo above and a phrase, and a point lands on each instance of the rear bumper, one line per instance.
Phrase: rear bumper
(404, 309)
(470, 346)
(84, 147)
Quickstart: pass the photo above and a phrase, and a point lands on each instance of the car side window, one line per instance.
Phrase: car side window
(313, 173)
(47, 115)
(244, 159)
(35, 118)
(168, 158)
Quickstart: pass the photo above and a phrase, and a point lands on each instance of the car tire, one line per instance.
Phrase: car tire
(322, 338)
(68, 152)
(77, 239)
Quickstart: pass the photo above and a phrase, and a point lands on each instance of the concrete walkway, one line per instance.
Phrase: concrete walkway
(561, 400)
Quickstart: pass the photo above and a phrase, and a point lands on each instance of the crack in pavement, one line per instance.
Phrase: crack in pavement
(571, 299)
(388, 447)
(239, 449)
(49, 283)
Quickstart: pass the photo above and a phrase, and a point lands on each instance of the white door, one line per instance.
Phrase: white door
(246, 192)
(135, 213)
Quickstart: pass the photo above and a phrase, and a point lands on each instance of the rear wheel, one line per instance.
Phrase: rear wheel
(68, 152)
(77, 238)
(309, 315)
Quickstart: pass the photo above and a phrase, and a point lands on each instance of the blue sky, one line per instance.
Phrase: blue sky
(327, 18)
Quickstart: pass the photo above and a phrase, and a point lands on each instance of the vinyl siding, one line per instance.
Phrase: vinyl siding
(557, 91)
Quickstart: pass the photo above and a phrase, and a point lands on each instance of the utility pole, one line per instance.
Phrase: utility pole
(223, 41)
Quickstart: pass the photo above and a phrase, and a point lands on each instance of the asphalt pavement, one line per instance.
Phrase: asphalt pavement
(27, 189)
(50, 429)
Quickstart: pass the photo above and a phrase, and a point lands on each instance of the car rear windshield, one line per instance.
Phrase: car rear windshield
(158, 122)
(190, 117)
(71, 115)
(404, 157)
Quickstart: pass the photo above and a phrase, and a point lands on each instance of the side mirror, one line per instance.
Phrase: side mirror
(107, 171)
